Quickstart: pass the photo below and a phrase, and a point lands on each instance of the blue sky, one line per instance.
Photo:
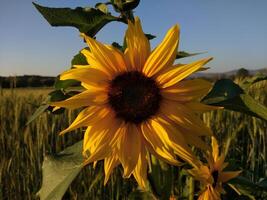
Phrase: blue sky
(232, 31)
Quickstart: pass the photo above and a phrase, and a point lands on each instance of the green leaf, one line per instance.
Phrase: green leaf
(130, 4)
(57, 95)
(118, 46)
(263, 183)
(183, 54)
(255, 79)
(225, 93)
(79, 59)
(124, 5)
(247, 187)
(64, 84)
(60, 95)
(87, 20)
(37, 113)
(102, 7)
(149, 36)
(59, 171)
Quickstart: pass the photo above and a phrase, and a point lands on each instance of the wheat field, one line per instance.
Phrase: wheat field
(23, 148)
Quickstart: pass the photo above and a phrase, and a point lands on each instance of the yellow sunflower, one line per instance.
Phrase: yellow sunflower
(211, 175)
(136, 102)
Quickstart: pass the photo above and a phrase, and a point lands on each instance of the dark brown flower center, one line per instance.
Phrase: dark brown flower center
(134, 97)
(215, 176)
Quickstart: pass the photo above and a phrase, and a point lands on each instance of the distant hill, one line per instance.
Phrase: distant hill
(229, 74)
(48, 81)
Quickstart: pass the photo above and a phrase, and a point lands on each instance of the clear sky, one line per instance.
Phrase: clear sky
(234, 32)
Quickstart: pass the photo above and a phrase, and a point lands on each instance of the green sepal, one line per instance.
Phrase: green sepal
(183, 54)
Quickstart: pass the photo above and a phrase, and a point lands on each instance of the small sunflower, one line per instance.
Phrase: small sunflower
(136, 102)
(211, 176)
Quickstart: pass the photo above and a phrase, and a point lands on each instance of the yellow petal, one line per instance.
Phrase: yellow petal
(103, 57)
(90, 76)
(187, 90)
(184, 117)
(177, 141)
(200, 107)
(85, 98)
(158, 142)
(226, 176)
(209, 194)
(138, 47)
(98, 138)
(87, 117)
(109, 164)
(215, 149)
(55, 108)
(168, 158)
(140, 171)
(164, 54)
(177, 74)
(201, 174)
(129, 147)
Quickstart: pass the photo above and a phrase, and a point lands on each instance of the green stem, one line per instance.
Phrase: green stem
(191, 187)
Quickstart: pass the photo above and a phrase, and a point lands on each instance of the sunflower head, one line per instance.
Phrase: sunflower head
(212, 174)
(137, 102)
(134, 97)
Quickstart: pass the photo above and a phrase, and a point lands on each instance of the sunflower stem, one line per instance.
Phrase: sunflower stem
(191, 188)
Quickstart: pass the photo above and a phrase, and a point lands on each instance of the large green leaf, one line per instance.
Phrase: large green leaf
(87, 20)
(227, 94)
(59, 171)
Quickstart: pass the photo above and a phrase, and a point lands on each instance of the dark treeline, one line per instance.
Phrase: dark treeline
(26, 81)
(48, 81)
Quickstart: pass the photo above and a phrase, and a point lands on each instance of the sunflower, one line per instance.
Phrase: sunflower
(137, 102)
(211, 175)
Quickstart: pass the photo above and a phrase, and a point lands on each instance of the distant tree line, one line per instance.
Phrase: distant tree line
(48, 81)
(26, 81)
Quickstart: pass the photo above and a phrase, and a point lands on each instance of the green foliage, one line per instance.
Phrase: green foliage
(37, 113)
(103, 7)
(160, 178)
(64, 84)
(183, 54)
(59, 171)
(247, 188)
(79, 59)
(227, 94)
(150, 36)
(252, 80)
(125, 5)
(87, 20)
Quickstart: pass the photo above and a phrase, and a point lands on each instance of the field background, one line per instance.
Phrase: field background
(23, 148)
